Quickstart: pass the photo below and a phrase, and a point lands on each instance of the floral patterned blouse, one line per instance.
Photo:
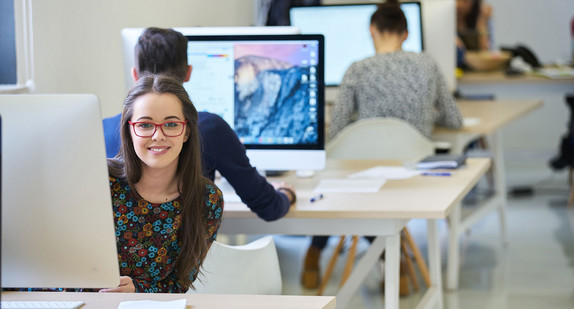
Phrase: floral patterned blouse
(146, 236)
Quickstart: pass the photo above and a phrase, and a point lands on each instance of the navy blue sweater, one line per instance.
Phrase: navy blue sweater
(222, 151)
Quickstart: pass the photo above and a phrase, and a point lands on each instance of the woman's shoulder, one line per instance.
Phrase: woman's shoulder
(422, 56)
(117, 184)
(212, 193)
(210, 185)
(421, 59)
(114, 180)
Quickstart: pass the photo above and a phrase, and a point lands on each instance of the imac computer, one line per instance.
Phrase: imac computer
(57, 218)
(269, 89)
(347, 36)
(130, 38)
(439, 27)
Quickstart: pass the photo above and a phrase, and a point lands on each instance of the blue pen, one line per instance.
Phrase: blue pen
(436, 174)
(316, 198)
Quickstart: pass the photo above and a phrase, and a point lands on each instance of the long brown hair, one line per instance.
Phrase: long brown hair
(127, 165)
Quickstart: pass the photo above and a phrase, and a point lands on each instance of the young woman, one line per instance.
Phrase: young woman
(166, 213)
(392, 83)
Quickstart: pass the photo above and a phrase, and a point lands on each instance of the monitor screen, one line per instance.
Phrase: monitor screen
(269, 89)
(347, 36)
(57, 218)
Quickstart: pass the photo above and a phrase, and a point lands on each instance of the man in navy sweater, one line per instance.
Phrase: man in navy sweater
(164, 51)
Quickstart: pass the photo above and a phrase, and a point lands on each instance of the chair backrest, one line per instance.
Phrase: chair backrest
(247, 269)
(380, 138)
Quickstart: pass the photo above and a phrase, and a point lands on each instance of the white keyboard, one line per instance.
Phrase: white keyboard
(41, 304)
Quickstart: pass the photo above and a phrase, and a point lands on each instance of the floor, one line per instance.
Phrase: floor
(534, 270)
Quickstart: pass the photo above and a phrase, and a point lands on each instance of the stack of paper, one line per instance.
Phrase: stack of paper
(442, 161)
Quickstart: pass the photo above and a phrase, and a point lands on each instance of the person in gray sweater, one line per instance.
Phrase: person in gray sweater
(392, 83)
(395, 83)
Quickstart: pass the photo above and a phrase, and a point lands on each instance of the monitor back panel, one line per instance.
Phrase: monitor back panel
(57, 220)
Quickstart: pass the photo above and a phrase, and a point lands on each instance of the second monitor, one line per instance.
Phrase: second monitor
(269, 89)
(346, 31)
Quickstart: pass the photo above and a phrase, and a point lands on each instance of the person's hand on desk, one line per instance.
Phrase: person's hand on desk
(286, 189)
(126, 286)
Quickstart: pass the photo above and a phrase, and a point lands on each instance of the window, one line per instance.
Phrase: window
(8, 74)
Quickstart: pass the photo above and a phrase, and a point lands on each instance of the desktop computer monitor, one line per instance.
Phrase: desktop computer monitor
(347, 36)
(57, 219)
(439, 27)
(269, 89)
(130, 38)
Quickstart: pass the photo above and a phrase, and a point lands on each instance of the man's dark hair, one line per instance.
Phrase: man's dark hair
(161, 51)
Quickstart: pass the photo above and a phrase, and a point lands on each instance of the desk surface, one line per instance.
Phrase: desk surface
(416, 197)
(492, 114)
(470, 78)
(194, 301)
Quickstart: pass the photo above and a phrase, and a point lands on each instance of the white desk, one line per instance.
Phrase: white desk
(498, 77)
(194, 301)
(543, 128)
(382, 214)
(493, 116)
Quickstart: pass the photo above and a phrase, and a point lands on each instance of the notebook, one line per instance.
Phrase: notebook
(442, 161)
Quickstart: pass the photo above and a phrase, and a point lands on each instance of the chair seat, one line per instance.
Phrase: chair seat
(247, 269)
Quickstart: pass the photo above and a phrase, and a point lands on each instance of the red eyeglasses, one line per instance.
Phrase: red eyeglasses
(148, 129)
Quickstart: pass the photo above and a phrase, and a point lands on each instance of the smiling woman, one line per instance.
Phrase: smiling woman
(166, 213)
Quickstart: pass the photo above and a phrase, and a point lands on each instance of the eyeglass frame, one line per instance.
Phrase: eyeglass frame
(160, 125)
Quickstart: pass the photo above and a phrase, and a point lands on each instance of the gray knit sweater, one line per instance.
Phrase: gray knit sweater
(401, 84)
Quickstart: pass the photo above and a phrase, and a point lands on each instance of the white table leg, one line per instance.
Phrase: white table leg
(435, 271)
(392, 265)
(364, 267)
(500, 181)
(453, 261)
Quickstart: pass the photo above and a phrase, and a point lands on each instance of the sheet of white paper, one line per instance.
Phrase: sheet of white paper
(386, 172)
(470, 121)
(152, 304)
(348, 185)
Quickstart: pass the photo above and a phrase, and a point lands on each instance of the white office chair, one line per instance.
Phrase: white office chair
(247, 269)
(380, 138)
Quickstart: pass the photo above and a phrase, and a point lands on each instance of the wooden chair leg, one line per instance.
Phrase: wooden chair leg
(409, 265)
(330, 266)
(350, 260)
(418, 257)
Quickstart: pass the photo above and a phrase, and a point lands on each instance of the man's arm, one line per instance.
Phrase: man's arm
(222, 151)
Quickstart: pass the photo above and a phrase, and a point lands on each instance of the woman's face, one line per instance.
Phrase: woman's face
(158, 151)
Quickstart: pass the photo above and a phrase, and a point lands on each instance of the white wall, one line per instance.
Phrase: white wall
(77, 43)
(544, 26)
